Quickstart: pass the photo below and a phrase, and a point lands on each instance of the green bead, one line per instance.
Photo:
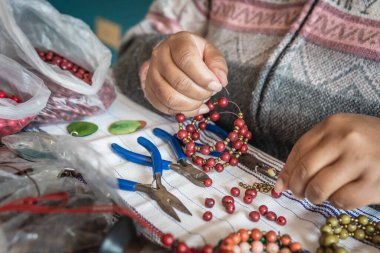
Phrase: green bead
(369, 229)
(81, 129)
(363, 219)
(333, 221)
(250, 240)
(330, 239)
(344, 219)
(126, 126)
(263, 240)
(343, 234)
(378, 226)
(351, 227)
(359, 234)
(320, 250)
(329, 250)
(340, 250)
(337, 230)
(326, 229)
(376, 239)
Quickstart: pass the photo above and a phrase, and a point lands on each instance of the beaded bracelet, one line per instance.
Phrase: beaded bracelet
(230, 148)
(344, 226)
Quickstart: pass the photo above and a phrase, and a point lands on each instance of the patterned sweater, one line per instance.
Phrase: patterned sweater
(291, 63)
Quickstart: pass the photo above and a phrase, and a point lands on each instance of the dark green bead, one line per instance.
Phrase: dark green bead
(343, 234)
(326, 229)
(376, 239)
(333, 221)
(344, 219)
(351, 227)
(378, 226)
(263, 240)
(81, 129)
(359, 234)
(363, 219)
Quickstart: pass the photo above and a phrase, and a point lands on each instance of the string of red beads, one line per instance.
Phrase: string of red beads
(230, 148)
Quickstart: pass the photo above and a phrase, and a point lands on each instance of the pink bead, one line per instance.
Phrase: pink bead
(272, 247)
(245, 247)
(284, 250)
(257, 247)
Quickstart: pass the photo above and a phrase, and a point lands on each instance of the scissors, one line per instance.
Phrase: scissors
(185, 169)
(159, 193)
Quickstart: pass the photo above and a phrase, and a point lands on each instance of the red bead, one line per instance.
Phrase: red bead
(195, 136)
(199, 117)
(254, 216)
(210, 105)
(271, 216)
(209, 202)
(263, 209)
(219, 167)
(243, 130)
(237, 144)
(235, 191)
(227, 199)
(285, 239)
(230, 208)
(206, 168)
(180, 117)
(233, 161)
(3, 94)
(49, 55)
(247, 199)
(190, 128)
(274, 194)
(239, 122)
(189, 153)
(256, 234)
(74, 69)
(205, 149)
(198, 160)
(182, 134)
(248, 135)
(202, 125)
(207, 216)
(214, 116)
(219, 146)
(190, 145)
(251, 192)
(271, 236)
(181, 247)
(210, 162)
(295, 247)
(207, 249)
(207, 182)
(281, 220)
(12, 123)
(56, 60)
(244, 148)
(167, 240)
(223, 102)
(233, 136)
(225, 156)
(15, 98)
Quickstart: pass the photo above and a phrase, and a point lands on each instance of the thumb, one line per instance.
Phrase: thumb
(215, 61)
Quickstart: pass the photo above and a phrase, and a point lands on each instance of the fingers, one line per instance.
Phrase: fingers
(187, 54)
(177, 79)
(215, 61)
(167, 100)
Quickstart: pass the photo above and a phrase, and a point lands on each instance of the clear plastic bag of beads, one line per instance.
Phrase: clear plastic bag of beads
(64, 52)
(22, 96)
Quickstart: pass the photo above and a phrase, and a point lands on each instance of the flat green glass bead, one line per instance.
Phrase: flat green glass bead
(340, 250)
(351, 227)
(369, 229)
(126, 126)
(345, 219)
(363, 219)
(81, 129)
(376, 239)
(343, 234)
(326, 229)
(337, 230)
(330, 239)
(333, 221)
(359, 234)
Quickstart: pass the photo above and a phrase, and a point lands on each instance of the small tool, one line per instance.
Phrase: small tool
(159, 193)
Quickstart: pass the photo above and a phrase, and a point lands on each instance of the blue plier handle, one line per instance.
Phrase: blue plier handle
(173, 142)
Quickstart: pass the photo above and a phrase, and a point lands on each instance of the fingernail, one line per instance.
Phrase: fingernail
(222, 76)
(279, 186)
(203, 109)
(214, 86)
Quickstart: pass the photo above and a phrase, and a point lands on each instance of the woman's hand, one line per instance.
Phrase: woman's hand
(338, 160)
(184, 71)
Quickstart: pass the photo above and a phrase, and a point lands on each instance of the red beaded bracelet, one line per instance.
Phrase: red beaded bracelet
(231, 148)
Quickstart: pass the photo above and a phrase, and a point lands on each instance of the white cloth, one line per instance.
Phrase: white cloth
(303, 218)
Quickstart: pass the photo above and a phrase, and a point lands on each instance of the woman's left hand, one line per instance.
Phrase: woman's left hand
(338, 160)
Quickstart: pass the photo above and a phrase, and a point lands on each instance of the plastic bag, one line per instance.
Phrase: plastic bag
(23, 96)
(34, 24)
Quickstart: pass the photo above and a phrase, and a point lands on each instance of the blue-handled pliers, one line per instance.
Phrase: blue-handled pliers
(159, 193)
(193, 174)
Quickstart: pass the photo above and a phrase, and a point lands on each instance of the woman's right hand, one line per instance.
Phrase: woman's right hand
(184, 71)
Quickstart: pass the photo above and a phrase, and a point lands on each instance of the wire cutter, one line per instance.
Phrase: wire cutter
(193, 174)
(159, 193)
